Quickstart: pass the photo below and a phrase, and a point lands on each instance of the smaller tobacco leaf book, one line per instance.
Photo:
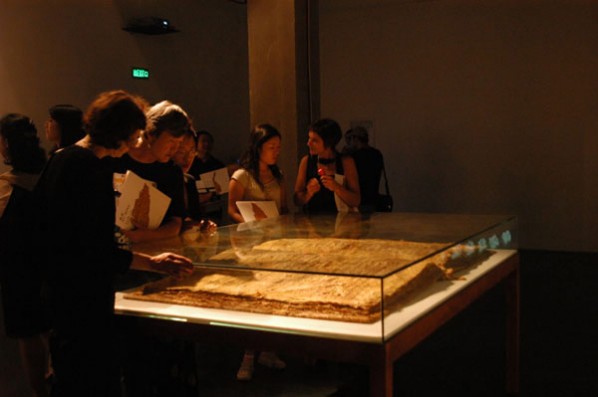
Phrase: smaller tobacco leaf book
(257, 210)
(216, 181)
(140, 204)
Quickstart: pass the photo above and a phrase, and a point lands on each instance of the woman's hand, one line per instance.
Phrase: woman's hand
(329, 182)
(312, 187)
(132, 235)
(207, 226)
(175, 265)
(204, 225)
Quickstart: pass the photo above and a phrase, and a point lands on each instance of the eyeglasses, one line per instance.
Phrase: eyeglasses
(186, 154)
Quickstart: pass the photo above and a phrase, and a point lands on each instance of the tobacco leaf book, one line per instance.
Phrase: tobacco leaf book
(268, 278)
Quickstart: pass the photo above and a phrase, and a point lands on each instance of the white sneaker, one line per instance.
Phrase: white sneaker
(245, 372)
(271, 360)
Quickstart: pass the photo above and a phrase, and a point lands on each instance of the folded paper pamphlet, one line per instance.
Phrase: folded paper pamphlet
(140, 204)
(257, 210)
(216, 181)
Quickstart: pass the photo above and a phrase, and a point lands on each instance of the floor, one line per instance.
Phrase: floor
(559, 356)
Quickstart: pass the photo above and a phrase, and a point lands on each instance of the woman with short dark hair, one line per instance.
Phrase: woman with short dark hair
(113, 117)
(325, 176)
(82, 257)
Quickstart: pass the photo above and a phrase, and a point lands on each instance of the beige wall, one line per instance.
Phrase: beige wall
(278, 76)
(68, 51)
(478, 106)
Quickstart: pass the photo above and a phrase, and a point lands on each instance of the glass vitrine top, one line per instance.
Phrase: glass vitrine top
(350, 244)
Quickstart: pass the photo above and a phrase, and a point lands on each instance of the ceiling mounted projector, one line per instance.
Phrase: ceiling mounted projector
(150, 25)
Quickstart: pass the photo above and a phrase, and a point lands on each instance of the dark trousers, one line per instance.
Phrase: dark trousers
(85, 364)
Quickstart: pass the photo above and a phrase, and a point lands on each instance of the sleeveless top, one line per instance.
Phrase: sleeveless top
(323, 200)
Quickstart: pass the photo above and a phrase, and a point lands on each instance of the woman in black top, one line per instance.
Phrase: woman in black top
(204, 161)
(20, 277)
(65, 126)
(183, 159)
(325, 173)
(77, 223)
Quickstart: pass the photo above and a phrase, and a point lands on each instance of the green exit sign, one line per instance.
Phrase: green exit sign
(140, 73)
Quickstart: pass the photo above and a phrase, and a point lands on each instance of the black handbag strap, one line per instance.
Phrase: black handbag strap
(385, 178)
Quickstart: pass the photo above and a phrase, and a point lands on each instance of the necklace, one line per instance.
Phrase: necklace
(266, 176)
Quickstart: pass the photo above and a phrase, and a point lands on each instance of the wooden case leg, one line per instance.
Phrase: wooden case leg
(512, 337)
(381, 376)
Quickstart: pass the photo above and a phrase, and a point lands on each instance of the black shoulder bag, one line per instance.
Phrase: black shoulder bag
(384, 202)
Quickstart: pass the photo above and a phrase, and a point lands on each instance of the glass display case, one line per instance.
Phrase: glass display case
(350, 276)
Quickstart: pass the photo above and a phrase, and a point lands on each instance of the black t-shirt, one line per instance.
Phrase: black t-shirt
(199, 166)
(192, 198)
(369, 163)
(167, 176)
